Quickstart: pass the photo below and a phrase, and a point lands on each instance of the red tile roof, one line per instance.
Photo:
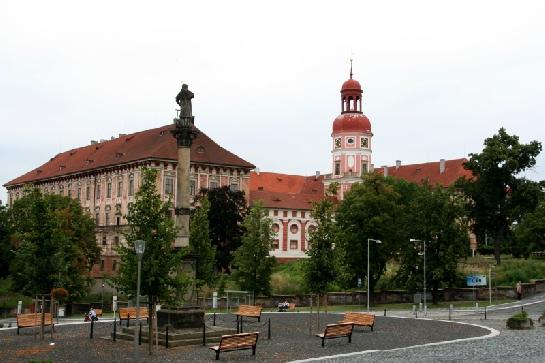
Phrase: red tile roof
(417, 173)
(285, 191)
(156, 143)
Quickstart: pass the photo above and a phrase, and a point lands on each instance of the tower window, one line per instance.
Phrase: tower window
(87, 192)
(98, 191)
(192, 187)
(109, 190)
(364, 142)
(337, 167)
(293, 244)
(276, 245)
(119, 188)
(337, 142)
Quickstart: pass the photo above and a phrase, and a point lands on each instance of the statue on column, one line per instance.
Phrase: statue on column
(183, 99)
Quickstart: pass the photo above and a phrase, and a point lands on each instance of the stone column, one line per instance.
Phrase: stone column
(185, 133)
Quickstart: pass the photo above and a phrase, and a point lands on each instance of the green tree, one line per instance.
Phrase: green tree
(530, 232)
(150, 220)
(200, 244)
(374, 208)
(252, 260)
(319, 269)
(437, 217)
(54, 244)
(227, 211)
(6, 253)
(497, 196)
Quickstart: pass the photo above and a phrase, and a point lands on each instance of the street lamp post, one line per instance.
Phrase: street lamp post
(139, 247)
(424, 253)
(368, 288)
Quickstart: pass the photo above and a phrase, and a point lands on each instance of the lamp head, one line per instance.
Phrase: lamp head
(139, 247)
(414, 240)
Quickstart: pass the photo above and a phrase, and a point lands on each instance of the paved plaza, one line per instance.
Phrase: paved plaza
(399, 337)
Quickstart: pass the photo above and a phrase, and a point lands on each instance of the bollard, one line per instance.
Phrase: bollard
(485, 313)
(416, 314)
(92, 325)
(476, 307)
(384, 312)
(521, 308)
(414, 309)
(449, 311)
(269, 330)
(140, 335)
(166, 339)
(203, 334)
(115, 324)
(214, 324)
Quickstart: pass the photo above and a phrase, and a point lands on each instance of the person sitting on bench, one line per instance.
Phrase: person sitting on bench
(283, 306)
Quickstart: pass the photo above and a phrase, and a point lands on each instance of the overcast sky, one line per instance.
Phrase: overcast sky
(438, 77)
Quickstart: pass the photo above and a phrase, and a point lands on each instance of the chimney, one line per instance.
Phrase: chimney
(385, 168)
(256, 171)
(372, 168)
(94, 142)
(317, 174)
(398, 164)
(442, 166)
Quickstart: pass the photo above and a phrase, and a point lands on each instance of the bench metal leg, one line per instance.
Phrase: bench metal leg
(323, 340)
(17, 330)
(218, 354)
(350, 338)
(253, 349)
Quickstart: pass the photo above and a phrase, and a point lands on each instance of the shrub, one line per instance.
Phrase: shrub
(516, 321)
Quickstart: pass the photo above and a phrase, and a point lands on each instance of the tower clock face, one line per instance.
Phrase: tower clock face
(337, 143)
(350, 141)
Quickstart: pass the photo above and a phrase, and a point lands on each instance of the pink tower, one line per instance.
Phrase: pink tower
(351, 137)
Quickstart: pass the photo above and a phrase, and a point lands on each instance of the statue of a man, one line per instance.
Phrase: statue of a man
(184, 100)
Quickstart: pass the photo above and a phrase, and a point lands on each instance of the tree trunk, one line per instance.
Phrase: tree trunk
(497, 244)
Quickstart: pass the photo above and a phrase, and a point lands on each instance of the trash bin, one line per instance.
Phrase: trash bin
(61, 312)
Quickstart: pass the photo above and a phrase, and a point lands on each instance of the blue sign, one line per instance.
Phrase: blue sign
(476, 280)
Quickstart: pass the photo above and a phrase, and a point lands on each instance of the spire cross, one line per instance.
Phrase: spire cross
(351, 68)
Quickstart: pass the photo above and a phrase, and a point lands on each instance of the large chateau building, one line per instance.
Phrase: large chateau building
(105, 175)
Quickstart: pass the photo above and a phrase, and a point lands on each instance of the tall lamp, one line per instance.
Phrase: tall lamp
(139, 248)
(368, 288)
(423, 253)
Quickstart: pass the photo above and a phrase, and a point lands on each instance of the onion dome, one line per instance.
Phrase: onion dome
(351, 122)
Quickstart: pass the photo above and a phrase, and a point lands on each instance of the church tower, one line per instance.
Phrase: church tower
(351, 139)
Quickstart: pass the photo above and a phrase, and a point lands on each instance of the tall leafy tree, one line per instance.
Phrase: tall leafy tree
(319, 268)
(530, 232)
(54, 244)
(6, 253)
(372, 209)
(497, 195)
(437, 216)
(252, 260)
(150, 220)
(227, 211)
(200, 244)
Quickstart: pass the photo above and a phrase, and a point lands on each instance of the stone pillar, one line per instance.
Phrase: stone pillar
(185, 133)
(182, 197)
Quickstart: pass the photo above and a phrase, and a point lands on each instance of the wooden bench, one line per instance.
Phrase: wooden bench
(337, 331)
(34, 319)
(130, 313)
(236, 342)
(250, 311)
(359, 319)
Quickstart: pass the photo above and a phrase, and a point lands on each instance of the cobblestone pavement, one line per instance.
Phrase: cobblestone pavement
(394, 340)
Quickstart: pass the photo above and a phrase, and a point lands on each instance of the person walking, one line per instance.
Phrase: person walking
(519, 290)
